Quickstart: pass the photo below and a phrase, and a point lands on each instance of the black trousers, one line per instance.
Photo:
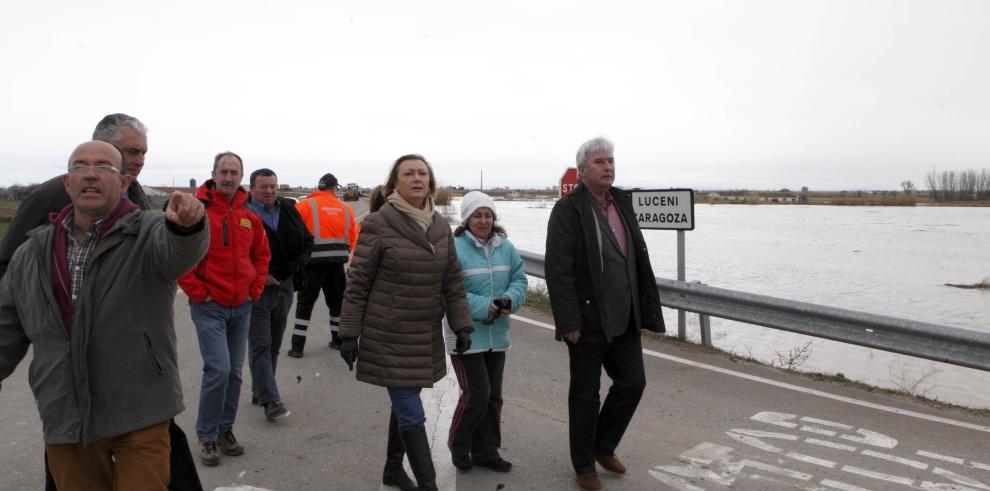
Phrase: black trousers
(596, 427)
(328, 277)
(269, 315)
(476, 427)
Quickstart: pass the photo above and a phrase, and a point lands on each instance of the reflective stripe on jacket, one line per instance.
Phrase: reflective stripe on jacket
(489, 270)
(332, 225)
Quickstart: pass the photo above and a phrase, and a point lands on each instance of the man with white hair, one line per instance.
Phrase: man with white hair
(127, 134)
(602, 292)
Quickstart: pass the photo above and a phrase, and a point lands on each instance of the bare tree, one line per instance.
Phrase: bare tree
(983, 185)
(967, 184)
(931, 180)
(908, 186)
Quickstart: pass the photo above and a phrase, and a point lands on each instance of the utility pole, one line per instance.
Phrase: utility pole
(482, 186)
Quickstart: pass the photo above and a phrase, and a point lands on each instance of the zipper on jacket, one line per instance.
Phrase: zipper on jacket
(151, 353)
(226, 239)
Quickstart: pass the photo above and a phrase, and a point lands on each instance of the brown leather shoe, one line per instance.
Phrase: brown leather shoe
(589, 481)
(610, 463)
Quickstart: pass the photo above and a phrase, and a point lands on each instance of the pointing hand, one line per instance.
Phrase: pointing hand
(184, 210)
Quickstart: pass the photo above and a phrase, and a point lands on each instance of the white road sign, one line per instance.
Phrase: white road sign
(664, 209)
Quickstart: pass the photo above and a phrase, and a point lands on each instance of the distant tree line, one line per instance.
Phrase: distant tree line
(17, 192)
(967, 185)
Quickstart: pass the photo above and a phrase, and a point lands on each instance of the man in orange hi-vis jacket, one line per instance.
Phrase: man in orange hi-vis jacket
(334, 236)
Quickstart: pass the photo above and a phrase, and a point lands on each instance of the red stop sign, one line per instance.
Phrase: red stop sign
(568, 181)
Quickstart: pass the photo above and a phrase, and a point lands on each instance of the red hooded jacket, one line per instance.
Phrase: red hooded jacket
(236, 264)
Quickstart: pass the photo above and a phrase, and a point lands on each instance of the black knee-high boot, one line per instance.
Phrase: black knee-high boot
(420, 459)
(394, 474)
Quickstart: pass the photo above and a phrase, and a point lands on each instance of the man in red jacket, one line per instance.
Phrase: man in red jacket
(221, 289)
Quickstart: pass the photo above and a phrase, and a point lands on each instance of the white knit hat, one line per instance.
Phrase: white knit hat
(474, 200)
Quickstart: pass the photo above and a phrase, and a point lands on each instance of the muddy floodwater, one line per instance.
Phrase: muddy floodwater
(893, 261)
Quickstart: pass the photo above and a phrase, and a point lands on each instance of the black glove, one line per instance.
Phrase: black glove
(348, 351)
(463, 341)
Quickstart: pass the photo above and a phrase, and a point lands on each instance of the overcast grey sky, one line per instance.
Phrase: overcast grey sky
(759, 94)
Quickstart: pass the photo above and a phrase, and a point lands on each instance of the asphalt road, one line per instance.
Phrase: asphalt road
(705, 422)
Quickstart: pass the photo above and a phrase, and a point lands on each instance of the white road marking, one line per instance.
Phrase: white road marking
(979, 465)
(960, 479)
(705, 453)
(818, 431)
(894, 458)
(811, 460)
(692, 472)
(871, 438)
(944, 458)
(439, 404)
(674, 482)
(938, 486)
(841, 485)
(774, 418)
(826, 443)
(754, 442)
(907, 481)
(784, 385)
(823, 422)
(765, 434)
(776, 470)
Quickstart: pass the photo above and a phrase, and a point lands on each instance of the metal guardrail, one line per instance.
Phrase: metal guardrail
(963, 347)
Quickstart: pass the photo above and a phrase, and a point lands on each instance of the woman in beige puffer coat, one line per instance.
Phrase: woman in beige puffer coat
(403, 278)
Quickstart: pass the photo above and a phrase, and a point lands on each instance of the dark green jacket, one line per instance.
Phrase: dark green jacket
(117, 372)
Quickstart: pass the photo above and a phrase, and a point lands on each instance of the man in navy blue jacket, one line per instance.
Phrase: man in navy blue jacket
(290, 243)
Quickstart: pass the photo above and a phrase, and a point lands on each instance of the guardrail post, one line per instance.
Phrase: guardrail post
(706, 330)
(681, 316)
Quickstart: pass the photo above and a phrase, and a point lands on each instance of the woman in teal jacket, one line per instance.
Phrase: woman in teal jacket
(495, 281)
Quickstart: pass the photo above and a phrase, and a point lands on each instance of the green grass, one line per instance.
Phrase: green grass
(12, 205)
(3, 228)
(537, 298)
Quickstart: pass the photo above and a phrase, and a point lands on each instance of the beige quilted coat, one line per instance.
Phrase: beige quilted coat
(400, 284)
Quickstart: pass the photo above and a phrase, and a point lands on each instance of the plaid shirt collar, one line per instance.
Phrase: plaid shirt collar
(79, 252)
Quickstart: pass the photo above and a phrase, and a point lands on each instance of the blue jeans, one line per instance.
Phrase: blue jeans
(407, 406)
(268, 318)
(222, 333)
